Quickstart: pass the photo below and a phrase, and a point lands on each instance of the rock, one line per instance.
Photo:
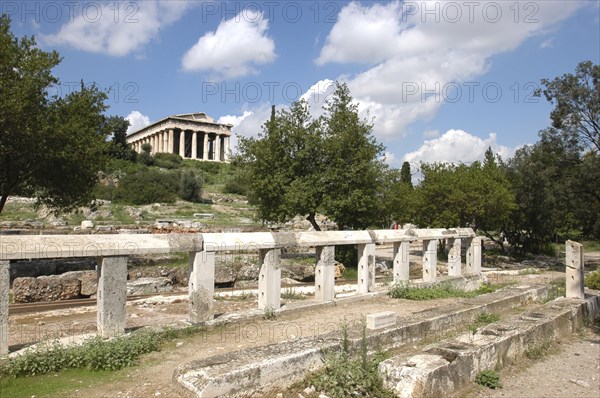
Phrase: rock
(309, 390)
(224, 274)
(248, 272)
(45, 288)
(581, 383)
(87, 224)
(381, 267)
(149, 286)
(339, 269)
(289, 281)
(88, 279)
(299, 271)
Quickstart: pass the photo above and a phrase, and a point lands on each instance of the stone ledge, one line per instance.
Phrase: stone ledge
(450, 365)
(242, 373)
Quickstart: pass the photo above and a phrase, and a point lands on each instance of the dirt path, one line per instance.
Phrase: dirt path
(571, 370)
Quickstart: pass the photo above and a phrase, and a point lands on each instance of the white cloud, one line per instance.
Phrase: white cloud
(118, 29)
(431, 134)
(457, 146)
(390, 159)
(413, 52)
(137, 121)
(234, 49)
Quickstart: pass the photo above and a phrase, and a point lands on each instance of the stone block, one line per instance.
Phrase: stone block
(401, 261)
(149, 286)
(381, 320)
(202, 286)
(4, 298)
(112, 296)
(429, 260)
(325, 273)
(45, 288)
(574, 271)
(366, 268)
(269, 280)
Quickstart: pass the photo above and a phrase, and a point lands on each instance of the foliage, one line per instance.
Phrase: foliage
(577, 104)
(403, 290)
(237, 185)
(350, 373)
(300, 165)
(146, 187)
(116, 126)
(145, 157)
(168, 160)
(190, 186)
(488, 378)
(50, 147)
(592, 280)
(538, 350)
(405, 176)
(269, 313)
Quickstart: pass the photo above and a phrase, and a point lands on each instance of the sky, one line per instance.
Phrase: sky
(439, 80)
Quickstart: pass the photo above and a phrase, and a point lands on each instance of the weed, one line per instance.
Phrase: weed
(484, 318)
(350, 373)
(592, 280)
(538, 350)
(94, 354)
(489, 379)
(403, 290)
(269, 313)
(289, 293)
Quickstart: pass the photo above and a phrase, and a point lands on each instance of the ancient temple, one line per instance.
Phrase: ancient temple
(192, 136)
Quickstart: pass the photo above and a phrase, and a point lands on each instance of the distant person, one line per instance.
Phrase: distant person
(395, 225)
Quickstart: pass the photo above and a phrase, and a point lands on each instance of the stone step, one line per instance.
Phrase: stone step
(262, 368)
(447, 366)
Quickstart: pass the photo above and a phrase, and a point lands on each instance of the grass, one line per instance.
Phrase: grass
(539, 350)
(489, 379)
(350, 273)
(588, 246)
(485, 318)
(55, 384)
(289, 293)
(405, 291)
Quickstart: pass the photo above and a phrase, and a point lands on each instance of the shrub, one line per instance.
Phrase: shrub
(592, 280)
(146, 187)
(167, 160)
(488, 378)
(190, 186)
(236, 185)
(404, 291)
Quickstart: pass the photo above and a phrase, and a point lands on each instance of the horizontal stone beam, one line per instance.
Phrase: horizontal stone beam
(59, 246)
(56, 246)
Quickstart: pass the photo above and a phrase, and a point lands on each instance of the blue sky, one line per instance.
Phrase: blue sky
(441, 80)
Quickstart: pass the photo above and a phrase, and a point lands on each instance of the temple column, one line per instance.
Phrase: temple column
(171, 147)
(205, 153)
(159, 139)
(217, 147)
(194, 144)
(226, 143)
(182, 144)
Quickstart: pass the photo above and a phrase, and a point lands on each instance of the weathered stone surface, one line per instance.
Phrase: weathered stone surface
(45, 288)
(87, 224)
(149, 285)
(4, 288)
(225, 275)
(88, 279)
(381, 320)
(339, 269)
(37, 268)
(300, 271)
(248, 272)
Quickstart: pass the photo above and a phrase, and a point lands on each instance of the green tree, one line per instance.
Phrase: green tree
(116, 127)
(299, 165)
(190, 186)
(49, 147)
(405, 175)
(145, 157)
(577, 103)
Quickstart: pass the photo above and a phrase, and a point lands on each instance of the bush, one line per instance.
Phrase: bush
(403, 290)
(592, 280)
(190, 186)
(167, 160)
(235, 185)
(146, 187)
(488, 378)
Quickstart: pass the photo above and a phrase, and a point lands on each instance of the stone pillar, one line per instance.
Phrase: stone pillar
(205, 143)
(325, 273)
(473, 263)
(171, 147)
(574, 271)
(454, 264)
(4, 298)
(401, 261)
(227, 144)
(218, 148)
(201, 286)
(194, 144)
(366, 268)
(269, 279)
(429, 260)
(182, 144)
(161, 141)
(112, 295)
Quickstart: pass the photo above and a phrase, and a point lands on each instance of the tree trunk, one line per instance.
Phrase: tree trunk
(313, 222)
(3, 199)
